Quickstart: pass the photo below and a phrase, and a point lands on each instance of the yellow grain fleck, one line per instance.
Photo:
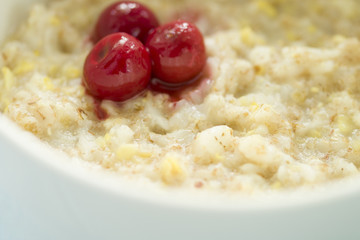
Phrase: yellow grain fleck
(339, 38)
(314, 89)
(267, 8)
(171, 171)
(311, 29)
(250, 132)
(53, 70)
(299, 96)
(291, 36)
(126, 152)
(72, 72)
(6, 110)
(344, 124)
(144, 154)
(355, 144)
(276, 185)
(107, 137)
(243, 101)
(101, 142)
(218, 158)
(254, 107)
(48, 85)
(9, 79)
(315, 133)
(23, 67)
(81, 92)
(55, 21)
(37, 53)
(5, 103)
(247, 36)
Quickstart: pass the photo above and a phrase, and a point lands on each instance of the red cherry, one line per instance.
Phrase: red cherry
(117, 68)
(125, 16)
(177, 51)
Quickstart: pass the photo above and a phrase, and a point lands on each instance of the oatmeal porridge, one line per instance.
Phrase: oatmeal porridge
(277, 107)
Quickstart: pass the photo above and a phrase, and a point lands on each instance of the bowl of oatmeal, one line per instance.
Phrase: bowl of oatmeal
(266, 138)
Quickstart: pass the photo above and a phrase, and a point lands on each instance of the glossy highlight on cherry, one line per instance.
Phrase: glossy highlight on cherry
(117, 68)
(177, 52)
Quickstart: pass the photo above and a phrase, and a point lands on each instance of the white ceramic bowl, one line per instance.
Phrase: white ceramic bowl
(44, 195)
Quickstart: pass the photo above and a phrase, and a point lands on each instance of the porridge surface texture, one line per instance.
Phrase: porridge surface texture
(280, 107)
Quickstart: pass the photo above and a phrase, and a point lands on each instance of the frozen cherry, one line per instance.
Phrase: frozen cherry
(125, 16)
(117, 68)
(177, 52)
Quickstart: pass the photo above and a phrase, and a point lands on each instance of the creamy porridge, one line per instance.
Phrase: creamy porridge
(279, 107)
